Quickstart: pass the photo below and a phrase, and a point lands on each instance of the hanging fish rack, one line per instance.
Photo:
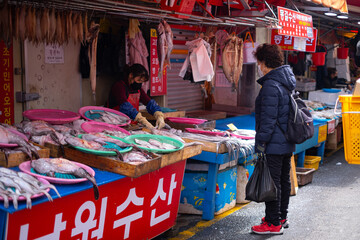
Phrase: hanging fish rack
(148, 12)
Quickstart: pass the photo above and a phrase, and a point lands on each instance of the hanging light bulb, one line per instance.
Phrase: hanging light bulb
(343, 16)
(331, 13)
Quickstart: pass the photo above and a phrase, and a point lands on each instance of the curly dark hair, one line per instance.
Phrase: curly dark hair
(271, 55)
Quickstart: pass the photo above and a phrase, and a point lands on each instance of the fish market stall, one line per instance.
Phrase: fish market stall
(149, 202)
(221, 153)
(318, 140)
(146, 172)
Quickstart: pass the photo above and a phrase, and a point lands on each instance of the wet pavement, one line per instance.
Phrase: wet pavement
(327, 208)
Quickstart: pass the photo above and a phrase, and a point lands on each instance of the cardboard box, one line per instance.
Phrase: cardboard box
(333, 139)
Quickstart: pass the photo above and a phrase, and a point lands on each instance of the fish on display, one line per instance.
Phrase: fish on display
(168, 133)
(108, 117)
(155, 144)
(115, 133)
(161, 145)
(232, 60)
(8, 136)
(135, 157)
(50, 166)
(15, 184)
(143, 143)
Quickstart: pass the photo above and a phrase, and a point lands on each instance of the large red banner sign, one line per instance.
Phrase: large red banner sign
(6, 84)
(157, 85)
(294, 23)
(130, 208)
(287, 42)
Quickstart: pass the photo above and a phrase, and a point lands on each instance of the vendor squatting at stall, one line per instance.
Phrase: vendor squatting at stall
(126, 94)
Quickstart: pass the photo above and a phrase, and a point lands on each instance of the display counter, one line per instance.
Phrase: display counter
(129, 208)
(318, 140)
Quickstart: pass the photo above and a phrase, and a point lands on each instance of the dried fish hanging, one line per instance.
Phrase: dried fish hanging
(41, 25)
(92, 38)
(165, 45)
(232, 60)
(5, 22)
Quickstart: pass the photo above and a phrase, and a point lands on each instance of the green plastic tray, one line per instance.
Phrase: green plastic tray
(104, 153)
(163, 139)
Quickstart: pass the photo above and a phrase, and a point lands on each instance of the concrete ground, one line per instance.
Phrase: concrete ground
(327, 208)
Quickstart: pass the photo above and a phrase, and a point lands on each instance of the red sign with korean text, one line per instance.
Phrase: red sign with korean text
(287, 42)
(157, 85)
(129, 208)
(7, 84)
(294, 23)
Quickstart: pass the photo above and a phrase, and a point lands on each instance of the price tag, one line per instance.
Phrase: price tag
(232, 127)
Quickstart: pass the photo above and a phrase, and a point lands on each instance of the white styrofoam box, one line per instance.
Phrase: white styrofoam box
(340, 61)
(305, 86)
(205, 166)
(325, 97)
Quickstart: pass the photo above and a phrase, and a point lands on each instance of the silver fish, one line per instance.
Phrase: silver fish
(144, 143)
(65, 166)
(169, 42)
(156, 143)
(36, 183)
(135, 156)
(168, 146)
(161, 51)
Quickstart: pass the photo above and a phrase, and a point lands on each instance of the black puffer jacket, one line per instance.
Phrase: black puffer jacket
(272, 106)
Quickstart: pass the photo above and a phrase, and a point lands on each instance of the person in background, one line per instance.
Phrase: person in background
(272, 108)
(331, 80)
(126, 94)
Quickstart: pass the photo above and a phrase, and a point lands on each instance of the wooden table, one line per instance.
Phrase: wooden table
(129, 208)
(150, 117)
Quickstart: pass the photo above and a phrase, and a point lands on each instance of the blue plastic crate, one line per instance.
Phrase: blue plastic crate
(193, 189)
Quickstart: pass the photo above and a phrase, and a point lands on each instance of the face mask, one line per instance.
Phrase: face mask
(135, 86)
(260, 72)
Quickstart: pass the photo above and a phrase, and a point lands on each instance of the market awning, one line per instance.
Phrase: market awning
(340, 5)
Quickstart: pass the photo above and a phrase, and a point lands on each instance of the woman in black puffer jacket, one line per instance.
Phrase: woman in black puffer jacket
(271, 112)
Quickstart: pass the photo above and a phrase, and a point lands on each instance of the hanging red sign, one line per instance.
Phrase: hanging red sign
(7, 84)
(129, 208)
(295, 24)
(287, 42)
(157, 85)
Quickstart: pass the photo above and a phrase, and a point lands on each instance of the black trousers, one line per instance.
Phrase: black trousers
(279, 166)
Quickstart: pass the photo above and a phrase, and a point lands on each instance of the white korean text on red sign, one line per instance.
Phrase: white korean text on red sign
(294, 23)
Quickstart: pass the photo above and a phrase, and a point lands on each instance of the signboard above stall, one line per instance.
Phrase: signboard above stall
(287, 42)
(295, 24)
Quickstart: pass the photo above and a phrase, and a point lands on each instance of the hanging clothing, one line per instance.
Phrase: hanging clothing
(138, 51)
(199, 61)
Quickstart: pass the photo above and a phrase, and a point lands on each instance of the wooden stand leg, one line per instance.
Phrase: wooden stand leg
(293, 178)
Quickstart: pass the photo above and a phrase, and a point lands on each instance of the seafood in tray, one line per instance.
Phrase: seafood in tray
(155, 143)
(52, 166)
(99, 144)
(106, 115)
(15, 186)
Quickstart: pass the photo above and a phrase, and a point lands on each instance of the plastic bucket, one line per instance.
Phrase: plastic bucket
(319, 58)
(342, 53)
